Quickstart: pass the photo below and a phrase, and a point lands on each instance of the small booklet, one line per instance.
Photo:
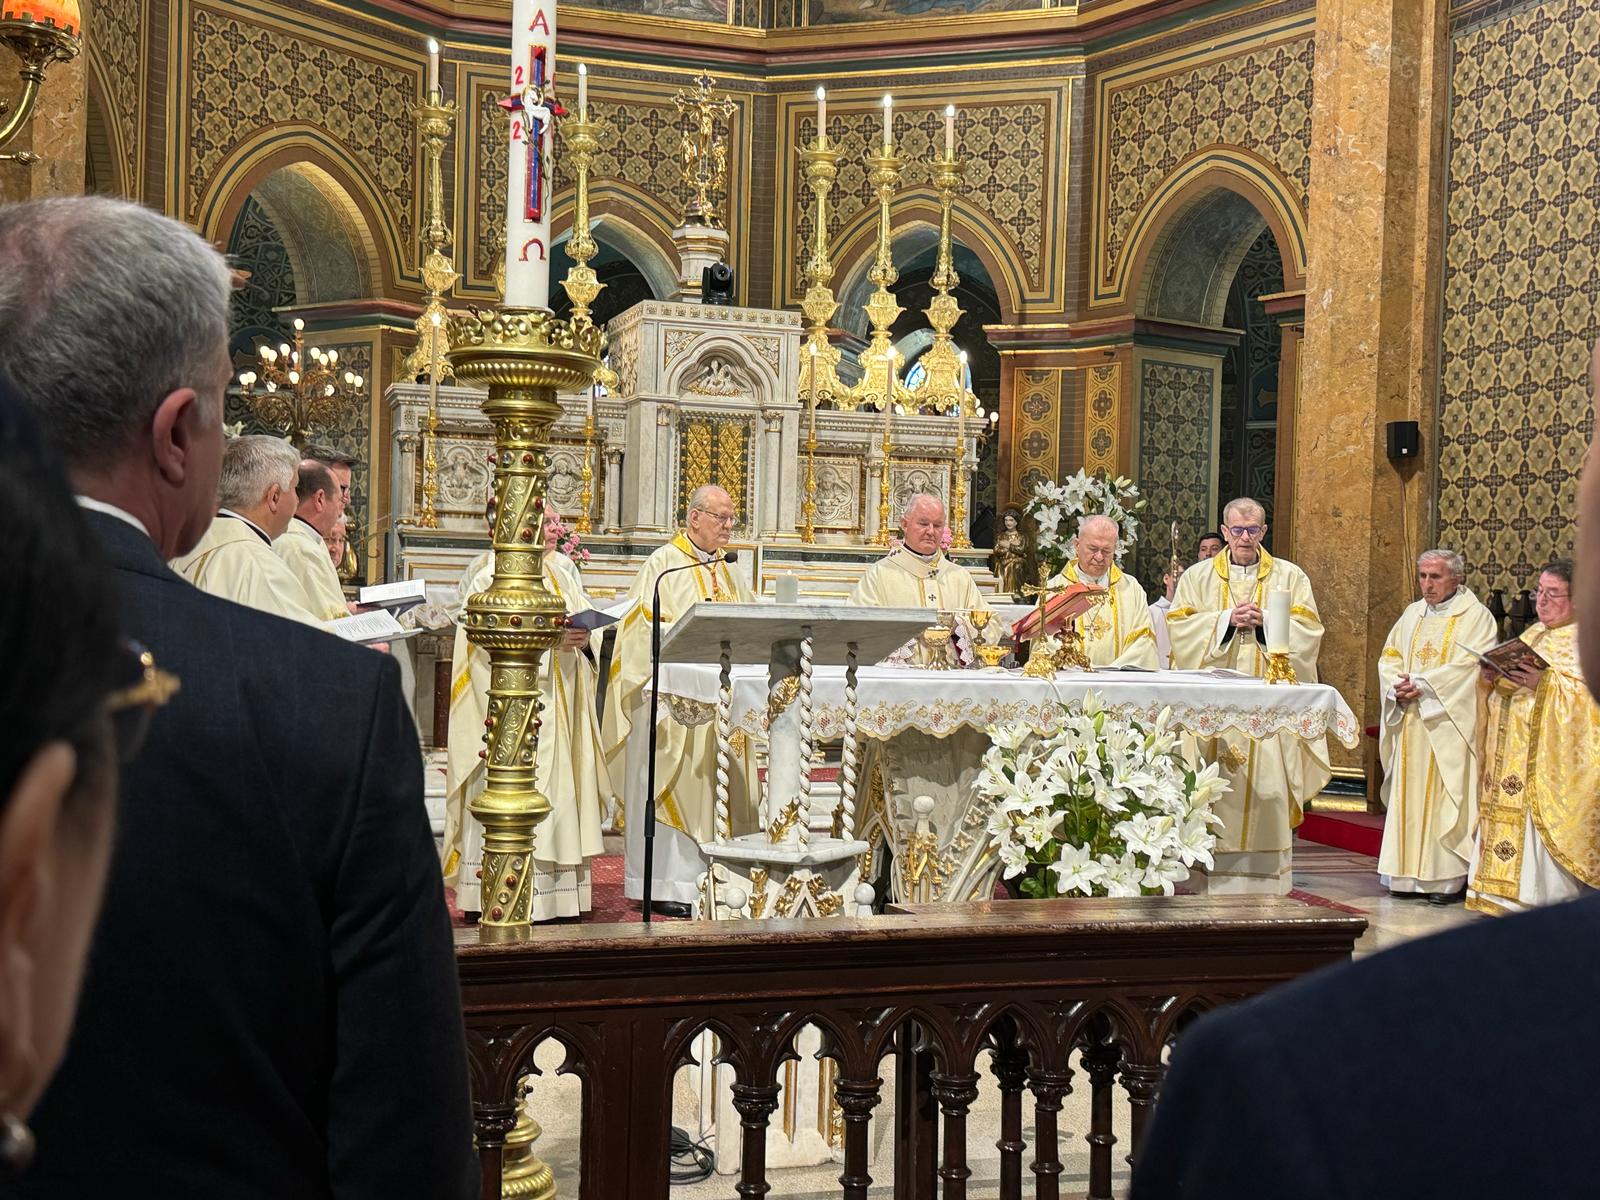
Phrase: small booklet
(397, 597)
(1508, 656)
(367, 628)
(591, 619)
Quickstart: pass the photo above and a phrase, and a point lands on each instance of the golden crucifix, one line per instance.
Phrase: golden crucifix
(705, 159)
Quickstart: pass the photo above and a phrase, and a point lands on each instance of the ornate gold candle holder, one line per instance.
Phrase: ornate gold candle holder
(1279, 669)
(523, 357)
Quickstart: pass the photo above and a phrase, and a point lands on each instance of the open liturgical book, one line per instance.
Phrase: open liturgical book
(369, 628)
(1508, 656)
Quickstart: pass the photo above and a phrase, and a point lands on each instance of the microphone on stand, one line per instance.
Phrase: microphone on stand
(727, 556)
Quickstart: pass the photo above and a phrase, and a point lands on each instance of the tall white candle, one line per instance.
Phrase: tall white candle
(822, 116)
(593, 388)
(1277, 618)
(583, 92)
(433, 365)
(433, 68)
(949, 130)
(533, 29)
(888, 122)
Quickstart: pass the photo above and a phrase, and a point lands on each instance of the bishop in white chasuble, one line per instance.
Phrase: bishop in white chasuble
(1118, 631)
(686, 756)
(1216, 621)
(569, 768)
(306, 555)
(1428, 732)
(1539, 805)
(235, 560)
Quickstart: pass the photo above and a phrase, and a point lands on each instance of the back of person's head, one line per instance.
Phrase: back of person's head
(63, 662)
(314, 478)
(251, 466)
(114, 328)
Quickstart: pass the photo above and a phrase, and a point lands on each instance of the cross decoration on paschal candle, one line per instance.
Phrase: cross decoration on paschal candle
(533, 108)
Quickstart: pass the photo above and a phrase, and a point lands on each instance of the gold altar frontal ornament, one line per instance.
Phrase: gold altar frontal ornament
(1279, 669)
(523, 357)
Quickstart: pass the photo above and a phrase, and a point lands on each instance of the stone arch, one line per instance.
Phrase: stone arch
(628, 252)
(104, 157)
(630, 221)
(333, 193)
(694, 360)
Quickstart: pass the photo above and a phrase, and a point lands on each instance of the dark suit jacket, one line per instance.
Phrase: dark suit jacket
(1457, 1066)
(271, 1007)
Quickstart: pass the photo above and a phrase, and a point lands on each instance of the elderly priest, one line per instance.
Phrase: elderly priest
(1428, 733)
(569, 768)
(686, 757)
(1539, 807)
(917, 574)
(1118, 631)
(235, 559)
(1218, 620)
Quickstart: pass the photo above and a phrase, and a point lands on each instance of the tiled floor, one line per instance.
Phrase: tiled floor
(1339, 875)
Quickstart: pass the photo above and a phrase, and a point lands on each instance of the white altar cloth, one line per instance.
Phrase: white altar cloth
(895, 699)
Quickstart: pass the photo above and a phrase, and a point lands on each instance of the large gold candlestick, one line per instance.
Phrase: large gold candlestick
(580, 140)
(808, 507)
(879, 384)
(434, 119)
(881, 538)
(584, 523)
(523, 357)
(821, 165)
(428, 518)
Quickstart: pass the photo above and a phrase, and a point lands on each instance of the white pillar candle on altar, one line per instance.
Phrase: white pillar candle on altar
(433, 69)
(528, 183)
(822, 116)
(949, 130)
(583, 92)
(888, 122)
(787, 589)
(1277, 622)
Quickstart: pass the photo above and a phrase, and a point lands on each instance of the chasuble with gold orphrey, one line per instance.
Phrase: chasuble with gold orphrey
(686, 756)
(1429, 745)
(1118, 631)
(569, 768)
(1539, 806)
(902, 579)
(1269, 778)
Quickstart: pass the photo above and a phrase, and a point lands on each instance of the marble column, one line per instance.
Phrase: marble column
(1369, 354)
(56, 133)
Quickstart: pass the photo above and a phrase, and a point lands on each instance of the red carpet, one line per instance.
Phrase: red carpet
(1359, 832)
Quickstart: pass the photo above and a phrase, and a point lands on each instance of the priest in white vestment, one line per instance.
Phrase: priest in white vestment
(686, 756)
(1217, 620)
(303, 547)
(569, 768)
(1118, 631)
(917, 574)
(234, 559)
(1539, 802)
(1428, 730)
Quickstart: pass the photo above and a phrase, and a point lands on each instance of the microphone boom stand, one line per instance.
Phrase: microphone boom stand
(655, 704)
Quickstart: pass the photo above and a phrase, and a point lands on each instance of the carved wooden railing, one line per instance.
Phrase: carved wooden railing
(1028, 982)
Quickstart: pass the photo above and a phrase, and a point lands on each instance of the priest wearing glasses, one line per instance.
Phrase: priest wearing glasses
(686, 757)
(1218, 619)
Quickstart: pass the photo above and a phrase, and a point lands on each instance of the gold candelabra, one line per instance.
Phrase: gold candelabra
(523, 357)
(886, 404)
(808, 507)
(435, 119)
(944, 381)
(821, 165)
(428, 517)
(705, 159)
(302, 388)
(38, 32)
(880, 383)
(581, 138)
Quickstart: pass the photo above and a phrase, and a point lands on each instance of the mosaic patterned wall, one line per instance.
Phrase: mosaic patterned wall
(1522, 284)
(116, 54)
(1152, 117)
(1174, 468)
(256, 246)
(1035, 432)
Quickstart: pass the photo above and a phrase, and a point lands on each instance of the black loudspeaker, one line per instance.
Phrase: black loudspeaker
(716, 284)
(1405, 440)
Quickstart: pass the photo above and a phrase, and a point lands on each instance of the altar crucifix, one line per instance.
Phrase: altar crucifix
(705, 159)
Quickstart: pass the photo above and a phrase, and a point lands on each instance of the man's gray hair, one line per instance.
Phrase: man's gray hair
(1452, 561)
(250, 465)
(704, 492)
(1243, 505)
(918, 498)
(1090, 518)
(106, 308)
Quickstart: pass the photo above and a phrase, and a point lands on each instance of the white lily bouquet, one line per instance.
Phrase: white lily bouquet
(1056, 507)
(1104, 806)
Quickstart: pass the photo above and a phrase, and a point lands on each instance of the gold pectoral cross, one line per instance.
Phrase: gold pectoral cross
(1427, 656)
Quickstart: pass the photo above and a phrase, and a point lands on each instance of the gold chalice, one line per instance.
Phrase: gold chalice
(936, 640)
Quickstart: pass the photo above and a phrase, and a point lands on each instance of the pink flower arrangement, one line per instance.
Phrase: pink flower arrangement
(567, 540)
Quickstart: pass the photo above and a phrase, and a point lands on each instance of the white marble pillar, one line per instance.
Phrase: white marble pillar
(773, 472)
(612, 507)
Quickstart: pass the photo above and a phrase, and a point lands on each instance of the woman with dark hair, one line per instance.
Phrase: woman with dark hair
(72, 697)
